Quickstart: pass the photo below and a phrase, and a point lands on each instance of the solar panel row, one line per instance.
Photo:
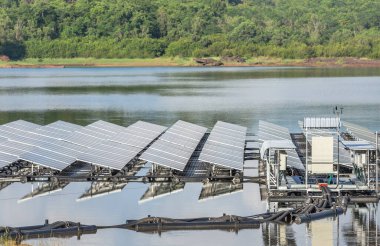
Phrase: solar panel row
(60, 143)
(114, 146)
(360, 132)
(175, 147)
(225, 146)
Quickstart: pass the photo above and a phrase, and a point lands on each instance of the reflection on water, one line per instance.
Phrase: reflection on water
(157, 190)
(198, 95)
(43, 189)
(212, 190)
(101, 189)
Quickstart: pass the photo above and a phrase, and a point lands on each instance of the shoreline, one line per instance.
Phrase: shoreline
(189, 62)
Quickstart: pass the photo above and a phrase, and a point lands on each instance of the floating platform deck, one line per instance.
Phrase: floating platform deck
(110, 155)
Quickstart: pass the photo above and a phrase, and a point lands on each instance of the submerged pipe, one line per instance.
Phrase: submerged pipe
(316, 216)
(363, 199)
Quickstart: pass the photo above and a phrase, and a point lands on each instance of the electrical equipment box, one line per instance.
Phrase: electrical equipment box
(322, 154)
(283, 161)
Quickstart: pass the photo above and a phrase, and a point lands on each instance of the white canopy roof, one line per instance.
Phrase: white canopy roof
(276, 144)
(358, 145)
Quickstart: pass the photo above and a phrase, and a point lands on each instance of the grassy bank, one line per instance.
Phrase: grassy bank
(179, 61)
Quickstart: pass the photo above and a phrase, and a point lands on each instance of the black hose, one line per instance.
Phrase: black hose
(281, 217)
(273, 217)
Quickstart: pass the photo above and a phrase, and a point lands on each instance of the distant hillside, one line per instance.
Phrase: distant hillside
(153, 28)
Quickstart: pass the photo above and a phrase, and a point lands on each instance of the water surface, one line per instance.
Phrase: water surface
(197, 95)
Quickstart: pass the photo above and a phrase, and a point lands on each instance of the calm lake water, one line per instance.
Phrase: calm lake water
(201, 96)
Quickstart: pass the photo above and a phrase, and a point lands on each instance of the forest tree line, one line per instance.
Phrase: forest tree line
(189, 28)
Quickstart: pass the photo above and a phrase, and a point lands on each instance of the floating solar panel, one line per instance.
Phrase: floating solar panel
(12, 151)
(21, 137)
(180, 140)
(132, 140)
(6, 159)
(231, 127)
(64, 126)
(360, 132)
(44, 161)
(175, 147)
(112, 146)
(269, 131)
(116, 162)
(60, 143)
(51, 133)
(225, 146)
(149, 127)
(106, 126)
(21, 147)
(64, 148)
(82, 139)
(22, 125)
(190, 126)
(52, 155)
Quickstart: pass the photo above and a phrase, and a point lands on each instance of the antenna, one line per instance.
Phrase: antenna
(337, 111)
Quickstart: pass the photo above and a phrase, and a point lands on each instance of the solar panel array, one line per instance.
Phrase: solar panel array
(360, 132)
(175, 147)
(270, 131)
(225, 146)
(59, 144)
(113, 146)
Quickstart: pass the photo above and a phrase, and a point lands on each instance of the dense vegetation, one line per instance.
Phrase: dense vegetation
(152, 28)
